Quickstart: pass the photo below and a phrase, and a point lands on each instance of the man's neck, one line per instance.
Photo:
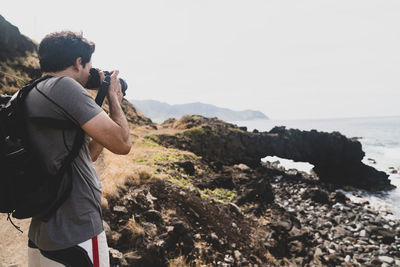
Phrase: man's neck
(67, 72)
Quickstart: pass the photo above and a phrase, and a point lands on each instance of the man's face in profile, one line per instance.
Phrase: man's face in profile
(85, 73)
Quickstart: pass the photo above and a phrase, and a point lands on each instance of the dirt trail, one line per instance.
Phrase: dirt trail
(13, 244)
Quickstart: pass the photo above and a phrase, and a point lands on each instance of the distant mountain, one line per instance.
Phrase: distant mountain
(159, 111)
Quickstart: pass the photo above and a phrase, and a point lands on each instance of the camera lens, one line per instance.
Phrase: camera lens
(94, 80)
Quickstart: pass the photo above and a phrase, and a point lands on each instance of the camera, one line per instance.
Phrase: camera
(94, 80)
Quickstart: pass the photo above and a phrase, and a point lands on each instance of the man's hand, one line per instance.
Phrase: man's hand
(114, 92)
(102, 76)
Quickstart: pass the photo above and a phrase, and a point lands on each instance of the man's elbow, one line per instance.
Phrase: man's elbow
(120, 145)
(94, 158)
(127, 148)
(124, 149)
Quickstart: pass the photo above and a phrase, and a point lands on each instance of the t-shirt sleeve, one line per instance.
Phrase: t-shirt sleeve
(74, 101)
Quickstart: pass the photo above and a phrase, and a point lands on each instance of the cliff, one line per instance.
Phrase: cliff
(337, 159)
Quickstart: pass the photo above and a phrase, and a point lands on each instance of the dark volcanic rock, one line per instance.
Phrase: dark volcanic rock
(259, 192)
(188, 167)
(339, 197)
(317, 195)
(387, 235)
(152, 215)
(337, 159)
(116, 258)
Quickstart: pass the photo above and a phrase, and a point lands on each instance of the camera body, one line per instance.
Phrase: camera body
(94, 81)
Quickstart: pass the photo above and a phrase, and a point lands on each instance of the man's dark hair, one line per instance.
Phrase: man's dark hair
(59, 50)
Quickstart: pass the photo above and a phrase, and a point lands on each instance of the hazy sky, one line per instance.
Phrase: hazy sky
(288, 59)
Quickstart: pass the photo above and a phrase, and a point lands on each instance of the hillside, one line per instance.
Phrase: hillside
(18, 58)
(159, 111)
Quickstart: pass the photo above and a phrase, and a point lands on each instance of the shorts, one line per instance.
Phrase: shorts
(93, 253)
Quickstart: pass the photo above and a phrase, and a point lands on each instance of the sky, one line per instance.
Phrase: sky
(289, 59)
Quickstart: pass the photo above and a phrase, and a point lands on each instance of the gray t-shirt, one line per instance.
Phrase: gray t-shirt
(79, 217)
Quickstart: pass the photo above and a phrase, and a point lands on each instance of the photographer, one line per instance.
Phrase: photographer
(74, 234)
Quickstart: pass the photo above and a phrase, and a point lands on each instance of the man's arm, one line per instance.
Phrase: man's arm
(111, 131)
(95, 149)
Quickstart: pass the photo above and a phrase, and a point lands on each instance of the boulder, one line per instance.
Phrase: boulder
(316, 195)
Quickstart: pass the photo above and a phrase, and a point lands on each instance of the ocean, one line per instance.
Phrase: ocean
(380, 139)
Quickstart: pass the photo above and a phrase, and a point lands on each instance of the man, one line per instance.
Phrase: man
(74, 234)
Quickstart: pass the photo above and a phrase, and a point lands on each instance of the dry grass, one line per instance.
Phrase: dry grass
(139, 166)
(16, 72)
(135, 229)
(271, 259)
(117, 169)
(180, 261)
(169, 212)
(144, 176)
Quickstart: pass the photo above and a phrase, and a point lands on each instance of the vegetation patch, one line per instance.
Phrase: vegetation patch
(237, 130)
(168, 157)
(163, 163)
(180, 181)
(152, 138)
(221, 195)
(196, 132)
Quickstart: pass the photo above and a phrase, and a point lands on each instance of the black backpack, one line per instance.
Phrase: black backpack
(26, 189)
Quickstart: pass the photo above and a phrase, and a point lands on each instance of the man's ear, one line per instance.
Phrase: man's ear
(78, 63)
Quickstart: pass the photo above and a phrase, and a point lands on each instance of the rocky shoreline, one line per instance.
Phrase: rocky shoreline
(276, 217)
(344, 232)
(210, 209)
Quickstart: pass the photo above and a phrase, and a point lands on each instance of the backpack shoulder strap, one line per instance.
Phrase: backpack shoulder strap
(66, 187)
(76, 147)
(23, 92)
